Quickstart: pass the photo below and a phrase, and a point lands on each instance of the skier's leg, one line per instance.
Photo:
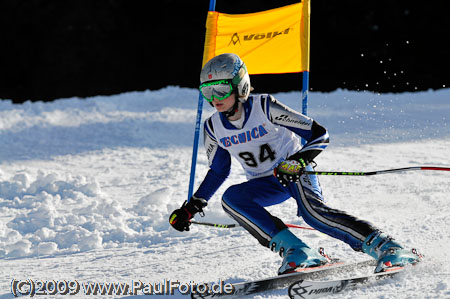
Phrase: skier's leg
(335, 223)
(359, 234)
(317, 214)
(245, 203)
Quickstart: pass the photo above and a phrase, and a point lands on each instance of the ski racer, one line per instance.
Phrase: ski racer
(264, 136)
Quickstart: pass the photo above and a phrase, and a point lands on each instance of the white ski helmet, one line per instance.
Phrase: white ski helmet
(228, 66)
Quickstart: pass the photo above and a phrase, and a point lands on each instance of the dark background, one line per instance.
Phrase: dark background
(53, 49)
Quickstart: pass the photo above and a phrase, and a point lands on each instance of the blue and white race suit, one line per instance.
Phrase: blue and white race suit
(270, 133)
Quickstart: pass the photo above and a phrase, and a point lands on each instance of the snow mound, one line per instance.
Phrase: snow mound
(54, 215)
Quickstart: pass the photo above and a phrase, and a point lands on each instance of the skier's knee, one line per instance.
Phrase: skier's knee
(230, 195)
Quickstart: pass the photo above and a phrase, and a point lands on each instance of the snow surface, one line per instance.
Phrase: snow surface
(86, 187)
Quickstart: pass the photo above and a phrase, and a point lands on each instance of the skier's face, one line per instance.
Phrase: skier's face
(225, 104)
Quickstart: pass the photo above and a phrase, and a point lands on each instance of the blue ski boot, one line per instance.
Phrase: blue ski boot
(295, 253)
(388, 253)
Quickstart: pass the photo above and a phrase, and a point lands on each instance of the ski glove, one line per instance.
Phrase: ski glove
(290, 170)
(179, 219)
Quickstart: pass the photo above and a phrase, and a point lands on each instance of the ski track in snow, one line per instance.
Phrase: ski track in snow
(86, 187)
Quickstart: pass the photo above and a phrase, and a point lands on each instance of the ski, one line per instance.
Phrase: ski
(271, 283)
(307, 289)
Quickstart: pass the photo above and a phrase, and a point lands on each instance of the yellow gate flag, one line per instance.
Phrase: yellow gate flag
(269, 42)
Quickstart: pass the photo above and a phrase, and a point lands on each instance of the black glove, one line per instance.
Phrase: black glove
(290, 170)
(179, 219)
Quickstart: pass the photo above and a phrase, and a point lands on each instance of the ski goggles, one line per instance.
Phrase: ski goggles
(220, 90)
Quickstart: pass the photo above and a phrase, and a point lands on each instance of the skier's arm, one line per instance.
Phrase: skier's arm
(220, 164)
(219, 161)
(316, 135)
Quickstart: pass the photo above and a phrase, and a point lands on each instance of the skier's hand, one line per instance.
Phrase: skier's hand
(289, 171)
(179, 219)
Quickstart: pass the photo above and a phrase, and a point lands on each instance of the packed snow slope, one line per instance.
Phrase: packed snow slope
(87, 185)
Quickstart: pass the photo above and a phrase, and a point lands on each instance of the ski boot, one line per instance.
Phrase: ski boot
(388, 253)
(295, 253)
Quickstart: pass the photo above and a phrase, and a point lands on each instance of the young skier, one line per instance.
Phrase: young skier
(263, 135)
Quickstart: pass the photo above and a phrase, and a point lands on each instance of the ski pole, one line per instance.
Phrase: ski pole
(360, 173)
(237, 225)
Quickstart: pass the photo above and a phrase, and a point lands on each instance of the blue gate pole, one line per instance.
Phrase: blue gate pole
(212, 7)
(306, 12)
(305, 88)
(195, 147)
